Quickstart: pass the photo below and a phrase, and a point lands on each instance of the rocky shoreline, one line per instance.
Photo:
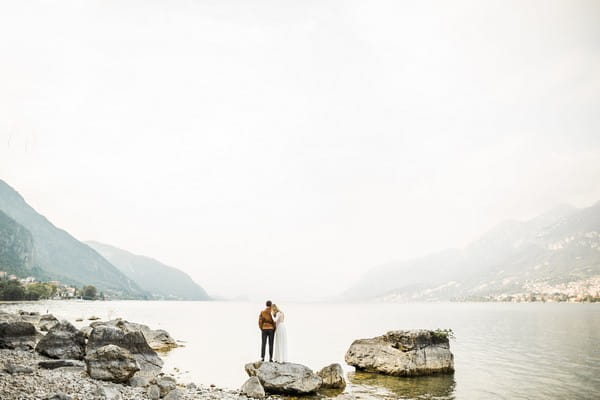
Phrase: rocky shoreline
(53, 366)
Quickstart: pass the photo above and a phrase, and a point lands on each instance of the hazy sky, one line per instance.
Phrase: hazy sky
(281, 148)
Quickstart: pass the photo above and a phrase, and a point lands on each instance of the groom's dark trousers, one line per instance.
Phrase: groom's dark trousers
(267, 334)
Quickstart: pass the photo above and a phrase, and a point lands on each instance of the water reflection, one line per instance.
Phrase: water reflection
(423, 387)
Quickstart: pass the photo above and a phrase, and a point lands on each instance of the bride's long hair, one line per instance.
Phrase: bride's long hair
(275, 309)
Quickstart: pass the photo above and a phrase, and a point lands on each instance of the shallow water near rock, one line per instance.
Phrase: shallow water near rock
(501, 350)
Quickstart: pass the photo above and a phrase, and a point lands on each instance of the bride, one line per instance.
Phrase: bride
(280, 349)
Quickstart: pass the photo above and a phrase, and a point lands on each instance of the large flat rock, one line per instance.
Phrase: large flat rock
(285, 378)
(403, 353)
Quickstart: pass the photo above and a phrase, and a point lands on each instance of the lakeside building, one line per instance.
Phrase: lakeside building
(28, 281)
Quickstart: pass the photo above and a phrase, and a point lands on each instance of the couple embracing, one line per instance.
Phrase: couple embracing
(270, 322)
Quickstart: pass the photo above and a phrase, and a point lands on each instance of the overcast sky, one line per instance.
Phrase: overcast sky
(282, 148)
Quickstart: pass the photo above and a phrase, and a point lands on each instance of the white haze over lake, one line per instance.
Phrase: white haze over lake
(281, 148)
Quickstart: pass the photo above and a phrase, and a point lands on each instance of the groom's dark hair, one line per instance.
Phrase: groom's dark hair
(269, 303)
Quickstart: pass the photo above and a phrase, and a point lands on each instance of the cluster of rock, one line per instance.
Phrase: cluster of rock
(397, 353)
(23, 378)
(115, 351)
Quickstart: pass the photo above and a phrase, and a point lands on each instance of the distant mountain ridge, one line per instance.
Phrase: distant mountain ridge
(32, 245)
(558, 247)
(62, 257)
(160, 280)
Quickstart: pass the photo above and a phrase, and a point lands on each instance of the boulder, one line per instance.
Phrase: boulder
(158, 339)
(253, 388)
(153, 392)
(62, 341)
(109, 392)
(285, 378)
(53, 364)
(111, 363)
(149, 362)
(17, 335)
(333, 377)
(403, 353)
(47, 322)
(176, 394)
(165, 384)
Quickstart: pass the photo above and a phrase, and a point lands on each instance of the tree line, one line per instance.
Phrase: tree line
(13, 290)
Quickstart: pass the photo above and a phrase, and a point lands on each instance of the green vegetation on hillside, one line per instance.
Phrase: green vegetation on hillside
(12, 290)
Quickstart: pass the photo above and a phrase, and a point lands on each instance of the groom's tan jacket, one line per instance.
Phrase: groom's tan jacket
(265, 320)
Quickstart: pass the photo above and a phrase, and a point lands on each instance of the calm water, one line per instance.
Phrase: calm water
(502, 351)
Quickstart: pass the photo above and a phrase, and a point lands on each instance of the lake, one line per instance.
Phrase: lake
(501, 350)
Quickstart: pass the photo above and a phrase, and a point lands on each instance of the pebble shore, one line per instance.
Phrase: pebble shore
(74, 383)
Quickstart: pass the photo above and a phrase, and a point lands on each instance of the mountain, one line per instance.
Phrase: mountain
(556, 252)
(160, 280)
(16, 247)
(62, 257)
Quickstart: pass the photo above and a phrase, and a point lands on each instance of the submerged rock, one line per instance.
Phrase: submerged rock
(17, 335)
(111, 363)
(333, 377)
(62, 341)
(286, 378)
(253, 388)
(403, 353)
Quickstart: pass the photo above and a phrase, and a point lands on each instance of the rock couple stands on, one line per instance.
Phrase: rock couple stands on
(403, 353)
(290, 379)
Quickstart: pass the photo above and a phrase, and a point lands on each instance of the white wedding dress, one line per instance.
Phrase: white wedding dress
(280, 348)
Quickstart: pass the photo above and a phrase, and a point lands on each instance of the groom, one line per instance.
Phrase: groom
(267, 326)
